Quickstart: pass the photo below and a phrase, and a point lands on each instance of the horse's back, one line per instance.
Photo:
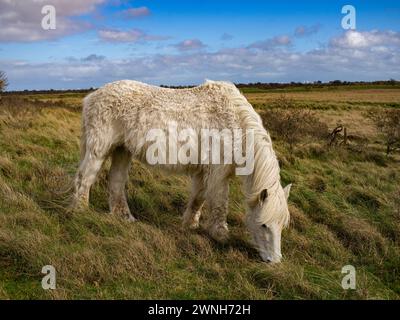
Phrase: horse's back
(128, 97)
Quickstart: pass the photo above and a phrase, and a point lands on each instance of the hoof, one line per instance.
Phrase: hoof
(78, 203)
(191, 225)
(127, 217)
(131, 218)
(124, 214)
(77, 208)
(219, 233)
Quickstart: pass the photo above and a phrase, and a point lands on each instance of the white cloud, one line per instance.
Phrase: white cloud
(268, 44)
(133, 35)
(243, 64)
(93, 58)
(21, 20)
(136, 12)
(190, 44)
(115, 35)
(366, 39)
(302, 31)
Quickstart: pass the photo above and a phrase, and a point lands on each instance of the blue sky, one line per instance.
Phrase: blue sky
(184, 42)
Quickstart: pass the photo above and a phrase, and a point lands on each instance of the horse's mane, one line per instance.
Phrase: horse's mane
(266, 167)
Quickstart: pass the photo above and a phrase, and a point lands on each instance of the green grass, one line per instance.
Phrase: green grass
(343, 206)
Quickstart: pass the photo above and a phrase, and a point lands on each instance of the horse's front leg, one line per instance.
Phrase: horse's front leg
(217, 201)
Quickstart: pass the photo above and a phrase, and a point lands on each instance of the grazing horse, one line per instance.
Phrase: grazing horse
(116, 120)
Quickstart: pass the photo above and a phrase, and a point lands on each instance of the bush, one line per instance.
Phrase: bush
(3, 81)
(283, 102)
(388, 123)
(293, 125)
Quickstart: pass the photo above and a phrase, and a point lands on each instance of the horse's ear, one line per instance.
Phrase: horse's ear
(286, 190)
(263, 195)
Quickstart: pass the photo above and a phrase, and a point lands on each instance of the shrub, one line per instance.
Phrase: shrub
(388, 123)
(283, 102)
(3, 81)
(293, 125)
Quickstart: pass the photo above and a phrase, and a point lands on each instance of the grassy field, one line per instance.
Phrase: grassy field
(345, 208)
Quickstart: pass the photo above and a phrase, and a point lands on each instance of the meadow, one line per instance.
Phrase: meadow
(344, 204)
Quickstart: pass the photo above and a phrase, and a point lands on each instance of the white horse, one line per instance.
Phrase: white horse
(116, 119)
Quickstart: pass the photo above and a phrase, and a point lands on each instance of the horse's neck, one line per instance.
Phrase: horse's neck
(266, 168)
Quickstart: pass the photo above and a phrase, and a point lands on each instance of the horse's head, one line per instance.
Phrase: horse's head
(266, 220)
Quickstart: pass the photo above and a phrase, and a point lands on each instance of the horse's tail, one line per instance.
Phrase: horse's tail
(83, 142)
(83, 129)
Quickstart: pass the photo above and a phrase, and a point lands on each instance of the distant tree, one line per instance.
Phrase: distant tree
(3, 81)
(388, 123)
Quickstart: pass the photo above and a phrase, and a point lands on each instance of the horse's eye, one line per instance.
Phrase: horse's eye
(264, 226)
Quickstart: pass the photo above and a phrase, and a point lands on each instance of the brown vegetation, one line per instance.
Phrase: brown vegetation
(3, 81)
(388, 123)
(293, 125)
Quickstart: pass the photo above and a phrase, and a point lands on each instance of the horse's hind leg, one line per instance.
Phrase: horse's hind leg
(121, 159)
(86, 176)
(192, 213)
(95, 147)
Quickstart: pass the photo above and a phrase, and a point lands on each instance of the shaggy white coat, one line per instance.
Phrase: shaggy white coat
(116, 119)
